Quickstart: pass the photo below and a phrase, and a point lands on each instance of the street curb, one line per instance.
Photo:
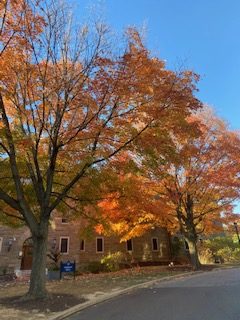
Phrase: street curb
(112, 295)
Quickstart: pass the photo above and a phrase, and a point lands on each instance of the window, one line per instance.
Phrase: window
(129, 245)
(99, 245)
(154, 244)
(64, 220)
(1, 242)
(82, 245)
(64, 245)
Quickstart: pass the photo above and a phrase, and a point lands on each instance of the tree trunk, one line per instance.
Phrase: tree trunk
(193, 251)
(37, 287)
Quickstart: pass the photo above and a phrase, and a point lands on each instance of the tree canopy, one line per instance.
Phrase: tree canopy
(186, 182)
(69, 104)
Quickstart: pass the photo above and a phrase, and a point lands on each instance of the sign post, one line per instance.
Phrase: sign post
(67, 267)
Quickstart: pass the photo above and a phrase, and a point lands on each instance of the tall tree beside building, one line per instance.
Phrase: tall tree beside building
(68, 105)
(185, 180)
(202, 184)
(199, 183)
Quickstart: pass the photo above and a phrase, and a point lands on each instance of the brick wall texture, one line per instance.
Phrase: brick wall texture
(142, 247)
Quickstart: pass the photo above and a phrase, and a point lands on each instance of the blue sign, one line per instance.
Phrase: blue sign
(68, 266)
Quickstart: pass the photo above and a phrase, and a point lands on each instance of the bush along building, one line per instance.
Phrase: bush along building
(67, 243)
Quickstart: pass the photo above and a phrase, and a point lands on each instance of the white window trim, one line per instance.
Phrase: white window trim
(127, 247)
(1, 243)
(157, 244)
(60, 240)
(82, 250)
(102, 244)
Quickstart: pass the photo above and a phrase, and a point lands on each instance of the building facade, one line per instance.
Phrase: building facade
(67, 239)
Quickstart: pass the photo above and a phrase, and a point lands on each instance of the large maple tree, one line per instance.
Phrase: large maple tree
(187, 183)
(68, 105)
(203, 183)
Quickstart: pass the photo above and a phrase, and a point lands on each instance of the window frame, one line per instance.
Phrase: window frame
(157, 242)
(131, 245)
(68, 242)
(1, 244)
(84, 243)
(100, 238)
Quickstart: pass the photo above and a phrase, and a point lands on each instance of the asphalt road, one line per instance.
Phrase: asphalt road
(210, 296)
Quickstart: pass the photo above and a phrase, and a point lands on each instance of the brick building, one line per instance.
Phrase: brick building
(16, 246)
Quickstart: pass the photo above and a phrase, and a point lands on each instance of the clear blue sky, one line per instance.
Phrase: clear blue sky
(203, 35)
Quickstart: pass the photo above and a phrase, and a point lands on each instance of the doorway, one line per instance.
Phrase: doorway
(27, 251)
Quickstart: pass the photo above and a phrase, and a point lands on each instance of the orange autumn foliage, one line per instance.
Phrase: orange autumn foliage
(69, 105)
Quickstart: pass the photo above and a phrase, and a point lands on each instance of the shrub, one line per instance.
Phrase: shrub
(95, 267)
(113, 261)
(222, 249)
(205, 255)
(176, 246)
(3, 270)
(54, 255)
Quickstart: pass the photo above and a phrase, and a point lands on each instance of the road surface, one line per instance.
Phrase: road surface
(213, 295)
